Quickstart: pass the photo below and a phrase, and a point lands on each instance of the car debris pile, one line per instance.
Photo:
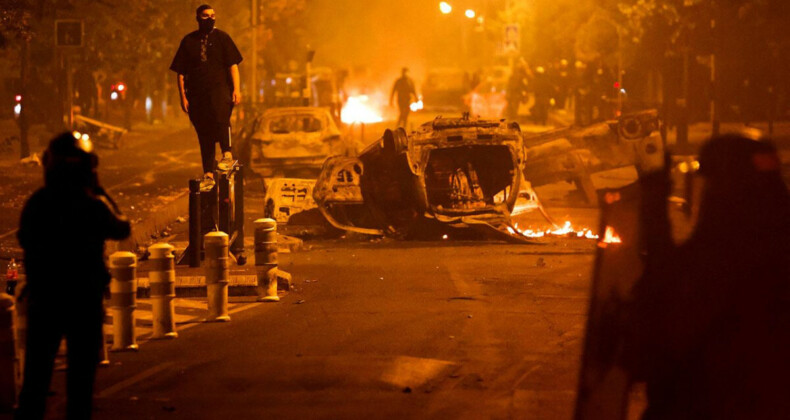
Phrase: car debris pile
(465, 173)
(460, 172)
(573, 154)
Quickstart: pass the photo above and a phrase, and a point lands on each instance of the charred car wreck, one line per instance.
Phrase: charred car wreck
(293, 142)
(459, 172)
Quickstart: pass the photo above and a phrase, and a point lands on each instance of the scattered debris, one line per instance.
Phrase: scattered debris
(32, 160)
(299, 302)
(180, 219)
(541, 262)
(407, 390)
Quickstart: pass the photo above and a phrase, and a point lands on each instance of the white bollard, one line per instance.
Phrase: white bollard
(266, 259)
(162, 281)
(217, 275)
(123, 300)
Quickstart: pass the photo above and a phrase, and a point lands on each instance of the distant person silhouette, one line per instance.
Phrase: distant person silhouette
(62, 232)
(404, 89)
(712, 315)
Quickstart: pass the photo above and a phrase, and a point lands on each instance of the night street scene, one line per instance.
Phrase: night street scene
(422, 209)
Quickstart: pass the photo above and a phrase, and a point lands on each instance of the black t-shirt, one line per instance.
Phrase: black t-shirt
(204, 61)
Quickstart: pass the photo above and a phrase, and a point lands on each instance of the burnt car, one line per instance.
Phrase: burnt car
(293, 141)
(456, 172)
(573, 154)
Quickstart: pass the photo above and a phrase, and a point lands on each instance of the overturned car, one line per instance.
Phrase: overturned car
(460, 172)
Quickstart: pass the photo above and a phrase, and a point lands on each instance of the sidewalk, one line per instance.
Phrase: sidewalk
(146, 177)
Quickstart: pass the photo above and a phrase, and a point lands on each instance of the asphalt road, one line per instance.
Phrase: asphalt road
(379, 330)
(383, 329)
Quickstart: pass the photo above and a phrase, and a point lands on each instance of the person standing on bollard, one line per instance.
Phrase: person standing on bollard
(62, 232)
(207, 68)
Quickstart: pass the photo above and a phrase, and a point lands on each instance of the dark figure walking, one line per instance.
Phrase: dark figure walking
(516, 91)
(207, 64)
(404, 88)
(62, 231)
(711, 315)
(543, 93)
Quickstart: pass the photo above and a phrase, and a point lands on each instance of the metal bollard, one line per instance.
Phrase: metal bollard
(123, 300)
(162, 279)
(105, 355)
(217, 275)
(266, 259)
(8, 361)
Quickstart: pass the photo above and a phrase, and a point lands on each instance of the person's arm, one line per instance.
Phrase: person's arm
(234, 75)
(116, 225)
(182, 93)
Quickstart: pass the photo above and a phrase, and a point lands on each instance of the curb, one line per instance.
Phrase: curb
(195, 286)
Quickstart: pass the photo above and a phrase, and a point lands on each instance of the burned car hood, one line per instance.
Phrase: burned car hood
(293, 145)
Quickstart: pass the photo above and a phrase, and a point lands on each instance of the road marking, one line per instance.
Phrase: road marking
(9, 233)
(133, 380)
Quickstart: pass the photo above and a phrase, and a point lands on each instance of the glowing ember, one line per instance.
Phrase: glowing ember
(611, 237)
(357, 110)
(566, 230)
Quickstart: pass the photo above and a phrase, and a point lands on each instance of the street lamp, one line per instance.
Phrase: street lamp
(445, 8)
(470, 13)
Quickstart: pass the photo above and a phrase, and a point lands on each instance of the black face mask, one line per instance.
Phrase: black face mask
(206, 25)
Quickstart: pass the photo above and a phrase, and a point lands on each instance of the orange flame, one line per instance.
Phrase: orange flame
(566, 230)
(611, 237)
(358, 110)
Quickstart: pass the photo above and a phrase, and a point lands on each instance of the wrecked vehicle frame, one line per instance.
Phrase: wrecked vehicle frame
(459, 172)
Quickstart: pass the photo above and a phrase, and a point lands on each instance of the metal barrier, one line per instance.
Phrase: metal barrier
(219, 209)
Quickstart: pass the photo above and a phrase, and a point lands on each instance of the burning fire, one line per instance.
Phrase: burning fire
(416, 106)
(566, 230)
(357, 110)
(611, 237)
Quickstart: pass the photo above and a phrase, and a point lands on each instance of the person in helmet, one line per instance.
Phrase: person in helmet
(711, 315)
(62, 231)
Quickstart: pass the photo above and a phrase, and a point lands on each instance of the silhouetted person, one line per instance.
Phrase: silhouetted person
(62, 232)
(712, 315)
(207, 64)
(543, 93)
(404, 88)
(516, 91)
(87, 93)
